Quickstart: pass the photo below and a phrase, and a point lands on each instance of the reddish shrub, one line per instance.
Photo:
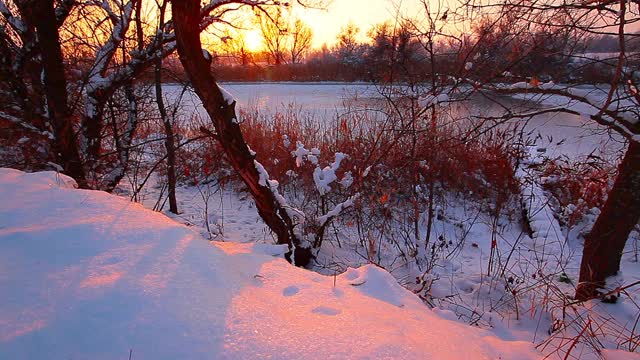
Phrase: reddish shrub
(578, 187)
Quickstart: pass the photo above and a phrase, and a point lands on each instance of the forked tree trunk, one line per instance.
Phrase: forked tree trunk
(604, 245)
(186, 19)
(42, 15)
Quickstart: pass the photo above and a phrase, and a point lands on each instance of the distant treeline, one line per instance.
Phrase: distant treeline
(395, 54)
(611, 43)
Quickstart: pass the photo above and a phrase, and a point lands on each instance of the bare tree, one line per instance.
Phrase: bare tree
(66, 108)
(169, 142)
(618, 109)
(301, 37)
(221, 109)
(39, 25)
(524, 42)
(273, 26)
(348, 44)
(33, 44)
(234, 47)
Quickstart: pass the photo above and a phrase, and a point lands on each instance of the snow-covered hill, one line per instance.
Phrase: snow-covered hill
(88, 275)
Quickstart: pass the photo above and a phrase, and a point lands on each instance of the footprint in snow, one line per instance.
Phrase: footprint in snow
(324, 310)
(290, 291)
(465, 285)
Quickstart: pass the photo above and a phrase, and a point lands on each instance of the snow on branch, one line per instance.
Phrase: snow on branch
(273, 186)
(324, 177)
(347, 180)
(226, 95)
(140, 60)
(16, 23)
(337, 210)
(106, 52)
(162, 45)
(20, 122)
(99, 86)
(301, 154)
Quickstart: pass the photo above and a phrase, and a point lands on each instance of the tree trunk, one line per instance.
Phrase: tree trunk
(604, 245)
(42, 15)
(91, 127)
(169, 142)
(186, 17)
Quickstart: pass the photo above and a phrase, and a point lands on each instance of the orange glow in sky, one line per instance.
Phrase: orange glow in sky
(327, 23)
(253, 40)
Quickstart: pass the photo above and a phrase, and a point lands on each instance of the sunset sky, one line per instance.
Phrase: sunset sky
(327, 23)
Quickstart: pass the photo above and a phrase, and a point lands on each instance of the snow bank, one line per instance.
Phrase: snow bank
(87, 275)
(608, 354)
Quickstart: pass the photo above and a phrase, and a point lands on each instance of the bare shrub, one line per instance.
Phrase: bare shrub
(578, 186)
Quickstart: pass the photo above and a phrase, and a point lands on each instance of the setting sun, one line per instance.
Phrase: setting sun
(253, 40)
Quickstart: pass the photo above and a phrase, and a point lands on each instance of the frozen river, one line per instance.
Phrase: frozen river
(321, 98)
(560, 133)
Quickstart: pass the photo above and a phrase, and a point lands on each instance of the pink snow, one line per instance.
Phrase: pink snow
(88, 275)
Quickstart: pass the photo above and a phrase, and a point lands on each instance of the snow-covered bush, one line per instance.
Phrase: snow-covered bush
(579, 188)
(320, 165)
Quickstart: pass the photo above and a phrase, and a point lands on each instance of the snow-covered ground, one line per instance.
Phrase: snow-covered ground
(523, 299)
(88, 275)
(520, 295)
(531, 280)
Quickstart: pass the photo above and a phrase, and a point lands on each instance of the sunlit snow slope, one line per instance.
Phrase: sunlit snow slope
(87, 275)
